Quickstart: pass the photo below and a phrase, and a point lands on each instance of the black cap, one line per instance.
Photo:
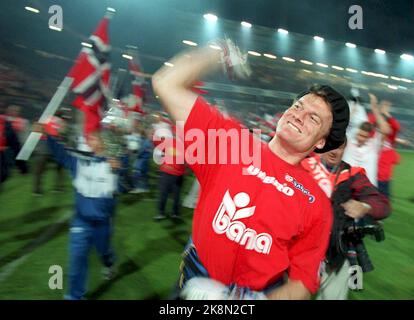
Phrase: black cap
(340, 113)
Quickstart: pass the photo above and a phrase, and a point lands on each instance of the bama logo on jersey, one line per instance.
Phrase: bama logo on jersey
(226, 221)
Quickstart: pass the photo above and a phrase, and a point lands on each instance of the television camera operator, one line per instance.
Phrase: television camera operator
(358, 206)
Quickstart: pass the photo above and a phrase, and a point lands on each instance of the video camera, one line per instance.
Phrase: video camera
(352, 244)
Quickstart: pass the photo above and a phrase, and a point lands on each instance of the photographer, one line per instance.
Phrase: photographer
(357, 204)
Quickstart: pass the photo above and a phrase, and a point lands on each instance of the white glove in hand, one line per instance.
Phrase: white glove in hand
(200, 288)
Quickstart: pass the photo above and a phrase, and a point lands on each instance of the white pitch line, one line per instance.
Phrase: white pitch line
(9, 268)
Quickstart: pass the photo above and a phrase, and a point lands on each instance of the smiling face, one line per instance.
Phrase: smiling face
(305, 124)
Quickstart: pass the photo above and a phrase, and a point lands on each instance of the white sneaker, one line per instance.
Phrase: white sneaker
(138, 190)
(109, 273)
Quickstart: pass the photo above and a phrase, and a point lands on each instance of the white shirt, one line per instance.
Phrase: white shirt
(358, 116)
(365, 156)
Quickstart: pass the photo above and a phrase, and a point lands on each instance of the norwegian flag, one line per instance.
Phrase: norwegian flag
(91, 74)
(138, 93)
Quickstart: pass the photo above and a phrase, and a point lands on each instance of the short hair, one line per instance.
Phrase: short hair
(340, 115)
(366, 126)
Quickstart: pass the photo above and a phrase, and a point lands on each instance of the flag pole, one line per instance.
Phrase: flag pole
(53, 105)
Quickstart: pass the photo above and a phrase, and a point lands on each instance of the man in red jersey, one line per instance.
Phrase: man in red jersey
(254, 222)
(172, 170)
(388, 156)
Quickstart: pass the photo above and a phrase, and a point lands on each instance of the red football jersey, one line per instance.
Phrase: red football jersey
(252, 223)
(173, 159)
(389, 157)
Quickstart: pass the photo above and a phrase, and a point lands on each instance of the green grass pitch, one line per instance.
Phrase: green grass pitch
(34, 236)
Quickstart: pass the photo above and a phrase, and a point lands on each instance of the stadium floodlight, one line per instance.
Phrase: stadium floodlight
(322, 65)
(254, 53)
(210, 17)
(190, 43)
(111, 9)
(337, 68)
(85, 44)
(31, 9)
(379, 51)
(351, 70)
(395, 78)
(282, 31)
(270, 56)
(288, 59)
(318, 38)
(350, 45)
(392, 87)
(407, 57)
(213, 46)
(127, 56)
(306, 62)
(246, 24)
(406, 80)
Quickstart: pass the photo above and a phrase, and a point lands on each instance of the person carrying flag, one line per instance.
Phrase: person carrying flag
(95, 175)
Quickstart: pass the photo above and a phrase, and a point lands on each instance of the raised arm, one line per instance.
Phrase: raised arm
(382, 124)
(173, 84)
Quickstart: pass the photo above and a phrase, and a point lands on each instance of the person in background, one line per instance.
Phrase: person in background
(19, 125)
(95, 182)
(172, 169)
(353, 197)
(42, 157)
(142, 163)
(363, 149)
(9, 146)
(389, 156)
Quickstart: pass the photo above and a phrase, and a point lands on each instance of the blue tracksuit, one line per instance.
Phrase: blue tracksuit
(142, 164)
(95, 184)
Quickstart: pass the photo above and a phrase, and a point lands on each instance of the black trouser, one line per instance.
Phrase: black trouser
(169, 183)
(384, 188)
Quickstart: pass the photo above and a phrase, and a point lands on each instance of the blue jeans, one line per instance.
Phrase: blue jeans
(141, 173)
(83, 236)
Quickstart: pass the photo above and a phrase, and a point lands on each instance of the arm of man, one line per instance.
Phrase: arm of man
(58, 151)
(364, 192)
(173, 84)
(382, 124)
(306, 254)
(292, 290)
